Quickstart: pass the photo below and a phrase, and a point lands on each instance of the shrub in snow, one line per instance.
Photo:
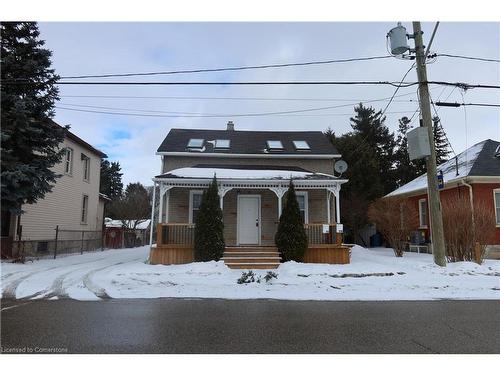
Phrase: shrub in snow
(291, 237)
(270, 275)
(395, 218)
(466, 234)
(246, 278)
(209, 229)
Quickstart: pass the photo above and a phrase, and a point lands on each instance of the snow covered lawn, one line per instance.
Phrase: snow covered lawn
(374, 274)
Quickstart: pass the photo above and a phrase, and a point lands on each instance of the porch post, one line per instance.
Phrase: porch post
(167, 201)
(222, 192)
(336, 191)
(162, 193)
(279, 191)
(328, 207)
(152, 215)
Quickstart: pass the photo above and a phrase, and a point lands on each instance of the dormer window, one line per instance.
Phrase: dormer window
(195, 143)
(274, 145)
(301, 146)
(222, 143)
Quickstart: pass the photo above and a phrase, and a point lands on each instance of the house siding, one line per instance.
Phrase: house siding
(314, 165)
(178, 211)
(482, 192)
(63, 206)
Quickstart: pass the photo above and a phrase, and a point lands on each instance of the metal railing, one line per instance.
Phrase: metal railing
(175, 234)
(321, 234)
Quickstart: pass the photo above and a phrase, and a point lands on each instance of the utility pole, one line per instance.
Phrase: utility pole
(436, 222)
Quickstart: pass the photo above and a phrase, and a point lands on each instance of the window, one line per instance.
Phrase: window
(222, 143)
(303, 205)
(301, 145)
(86, 167)
(68, 160)
(496, 195)
(194, 204)
(422, 213)
(85, 208)
(274, 145)
(195, 143)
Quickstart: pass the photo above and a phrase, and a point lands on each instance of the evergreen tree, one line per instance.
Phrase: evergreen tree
(209, 229)
(30, 140)
(111, 179)
(440, 142)
(291, 237)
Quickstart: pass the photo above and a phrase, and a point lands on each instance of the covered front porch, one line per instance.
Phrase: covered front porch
(251, 202)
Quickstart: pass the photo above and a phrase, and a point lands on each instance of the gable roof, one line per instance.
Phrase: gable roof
(477, 161)
(248, 142)
(68, 134)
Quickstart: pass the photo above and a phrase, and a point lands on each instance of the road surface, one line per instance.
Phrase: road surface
(249, 326)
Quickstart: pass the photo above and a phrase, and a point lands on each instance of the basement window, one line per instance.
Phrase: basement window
(195, 143)
(275, 145)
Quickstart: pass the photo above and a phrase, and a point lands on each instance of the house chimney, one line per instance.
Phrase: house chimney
(230, 126)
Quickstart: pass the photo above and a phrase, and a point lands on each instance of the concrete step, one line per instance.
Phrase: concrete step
(250, 253)
(255, 265)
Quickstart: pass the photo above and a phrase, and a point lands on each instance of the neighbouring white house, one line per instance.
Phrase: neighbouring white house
(73, 206)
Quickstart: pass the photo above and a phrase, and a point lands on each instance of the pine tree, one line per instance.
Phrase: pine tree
(440, 142)
(209, 227)
(291, 237)
(30, 139)
(111, 179)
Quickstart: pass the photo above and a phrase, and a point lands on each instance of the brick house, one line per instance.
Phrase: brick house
(253, 170)
(474, 173)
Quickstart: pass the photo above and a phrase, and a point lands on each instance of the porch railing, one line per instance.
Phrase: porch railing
(175, 234)
(321, 234)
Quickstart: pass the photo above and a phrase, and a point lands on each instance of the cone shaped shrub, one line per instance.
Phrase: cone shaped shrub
(209, 230)
(291, 237)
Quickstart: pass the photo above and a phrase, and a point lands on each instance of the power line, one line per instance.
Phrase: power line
(467, 57)
(234, 68)
(209, 115)
(397, 89)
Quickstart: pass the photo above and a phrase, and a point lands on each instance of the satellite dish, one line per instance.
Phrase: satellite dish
(340, 166)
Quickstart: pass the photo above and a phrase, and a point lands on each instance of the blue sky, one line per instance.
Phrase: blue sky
(99, 48)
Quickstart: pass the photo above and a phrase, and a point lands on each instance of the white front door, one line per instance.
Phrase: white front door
(248, 219)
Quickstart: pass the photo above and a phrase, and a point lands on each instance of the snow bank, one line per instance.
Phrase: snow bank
(374, 274)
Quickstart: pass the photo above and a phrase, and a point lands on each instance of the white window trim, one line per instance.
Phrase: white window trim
(70, 172)
(86, 161)
(84, 222)
(306, 204)
(191, 193)
(497, 219)
(420, 225)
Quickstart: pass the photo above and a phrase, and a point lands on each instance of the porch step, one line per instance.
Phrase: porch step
(252, 257)
(255, 265)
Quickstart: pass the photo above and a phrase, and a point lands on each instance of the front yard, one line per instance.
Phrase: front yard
(373, 274)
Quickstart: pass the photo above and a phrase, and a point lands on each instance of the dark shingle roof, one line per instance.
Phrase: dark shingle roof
(487, 164)
(248, 142)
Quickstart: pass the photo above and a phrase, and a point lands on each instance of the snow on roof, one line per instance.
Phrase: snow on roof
(230, 173)
(110, 223)
(466, 160)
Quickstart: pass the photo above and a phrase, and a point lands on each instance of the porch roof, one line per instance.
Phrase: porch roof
(245, 172)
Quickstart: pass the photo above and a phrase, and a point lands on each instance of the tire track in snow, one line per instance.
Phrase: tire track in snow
(9, 291)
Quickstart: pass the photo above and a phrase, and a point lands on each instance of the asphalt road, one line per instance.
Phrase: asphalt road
(249, 326)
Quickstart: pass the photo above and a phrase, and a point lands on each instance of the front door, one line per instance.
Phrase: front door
(248, 219)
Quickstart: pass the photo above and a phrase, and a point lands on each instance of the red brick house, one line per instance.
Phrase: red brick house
(475, 173)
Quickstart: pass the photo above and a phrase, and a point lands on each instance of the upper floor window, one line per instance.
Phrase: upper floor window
(222, 143)
(301, 145)
(68, 160)
(195, 143)
(86, 167)
(423, 213)
(274, 145)
(497, 205)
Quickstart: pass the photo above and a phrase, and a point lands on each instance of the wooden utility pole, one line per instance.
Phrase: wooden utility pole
(436, 222)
